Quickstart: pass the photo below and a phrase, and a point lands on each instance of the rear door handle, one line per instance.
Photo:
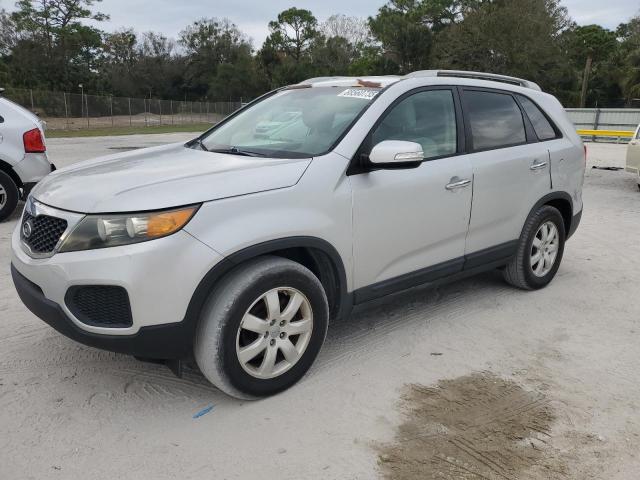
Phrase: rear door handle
(454, 185)
(538, 166)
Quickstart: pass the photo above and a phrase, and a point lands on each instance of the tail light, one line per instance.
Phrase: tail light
(33, 141)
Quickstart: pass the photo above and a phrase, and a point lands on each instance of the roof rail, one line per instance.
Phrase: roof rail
(383, 80)
(493, 77)
(311, 81)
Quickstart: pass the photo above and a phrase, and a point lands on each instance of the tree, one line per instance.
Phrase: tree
(54, 47)
(285, 56)
(404, 36)
(293, 32)
(118, 64)
(589, 44)
(8, 33)
(208, 44)
(512, 37)
(158, 71)
(354, 30)
(629, 34)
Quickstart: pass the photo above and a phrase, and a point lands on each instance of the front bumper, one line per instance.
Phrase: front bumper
(170, 341)
(159, 276)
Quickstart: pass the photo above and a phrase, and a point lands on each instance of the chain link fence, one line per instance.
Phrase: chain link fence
(74, 111)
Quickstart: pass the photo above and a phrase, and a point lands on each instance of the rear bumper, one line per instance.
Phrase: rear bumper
(33, 167)
(575, 222)
(27, 187)
(168, 341)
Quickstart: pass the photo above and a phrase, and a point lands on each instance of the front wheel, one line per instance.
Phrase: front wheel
(9, 195)
(540, 250)
(262, 328)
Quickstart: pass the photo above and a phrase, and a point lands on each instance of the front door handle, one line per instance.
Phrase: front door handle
(538, 166)
(455, 184)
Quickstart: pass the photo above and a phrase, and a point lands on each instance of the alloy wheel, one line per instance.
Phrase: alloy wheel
(274, 332)
(544, 249)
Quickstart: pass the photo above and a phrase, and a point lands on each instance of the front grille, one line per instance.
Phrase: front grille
(45, 232)
(100, 305)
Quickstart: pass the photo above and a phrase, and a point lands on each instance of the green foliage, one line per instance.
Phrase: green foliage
(293, 32)
(405, 38)
(629, 33)
(56, 44)
(53, 46)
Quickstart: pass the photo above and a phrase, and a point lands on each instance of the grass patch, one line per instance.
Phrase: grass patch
(109, 131)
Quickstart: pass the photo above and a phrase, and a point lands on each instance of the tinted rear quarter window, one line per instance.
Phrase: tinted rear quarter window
(495, 119)
(543, 128)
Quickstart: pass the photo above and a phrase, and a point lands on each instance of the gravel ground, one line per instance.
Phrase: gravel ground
(539, 384)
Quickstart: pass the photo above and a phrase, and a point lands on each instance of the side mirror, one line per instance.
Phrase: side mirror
(396, 154)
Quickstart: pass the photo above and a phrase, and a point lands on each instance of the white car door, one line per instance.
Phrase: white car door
(409, 225)
(511, 171)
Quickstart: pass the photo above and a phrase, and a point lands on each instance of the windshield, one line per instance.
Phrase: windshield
(296, 123)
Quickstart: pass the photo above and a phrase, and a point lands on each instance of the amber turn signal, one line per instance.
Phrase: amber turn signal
(166, 223)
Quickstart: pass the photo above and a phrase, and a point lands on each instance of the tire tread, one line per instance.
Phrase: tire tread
(514, 273)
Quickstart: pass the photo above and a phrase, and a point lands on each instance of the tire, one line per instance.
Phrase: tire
(522, 271)
(238, 306)
(9, 196)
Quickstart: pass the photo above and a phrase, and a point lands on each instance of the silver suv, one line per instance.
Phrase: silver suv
(240, 246)
(23, 154)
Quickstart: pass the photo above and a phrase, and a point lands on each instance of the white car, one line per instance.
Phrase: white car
(633, 155)
(23, 154)
(238, 250)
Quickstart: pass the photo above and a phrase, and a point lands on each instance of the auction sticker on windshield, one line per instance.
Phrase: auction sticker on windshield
(363, 93)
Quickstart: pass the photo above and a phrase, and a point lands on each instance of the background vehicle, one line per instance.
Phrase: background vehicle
(239, 247)
(23, 157)
(633, 156)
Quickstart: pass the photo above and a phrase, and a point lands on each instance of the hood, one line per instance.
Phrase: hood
(163, 177)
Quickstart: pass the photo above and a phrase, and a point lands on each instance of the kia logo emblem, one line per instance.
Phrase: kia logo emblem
(27, 229)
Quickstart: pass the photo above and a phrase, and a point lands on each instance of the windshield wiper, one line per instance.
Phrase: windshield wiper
(237, 151)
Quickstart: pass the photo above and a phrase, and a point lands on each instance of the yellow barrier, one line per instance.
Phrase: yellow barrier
(606, 133)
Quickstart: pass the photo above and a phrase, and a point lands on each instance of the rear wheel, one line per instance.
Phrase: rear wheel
(540, 250)
(9, 195)
(262, 328)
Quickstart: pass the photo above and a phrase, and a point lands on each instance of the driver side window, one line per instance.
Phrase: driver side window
(427, 118)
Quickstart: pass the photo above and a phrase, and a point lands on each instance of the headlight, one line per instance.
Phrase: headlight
(102, 231)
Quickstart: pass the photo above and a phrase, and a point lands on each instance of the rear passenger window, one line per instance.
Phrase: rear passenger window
(427, 118)
(495, 118)
(541, 125)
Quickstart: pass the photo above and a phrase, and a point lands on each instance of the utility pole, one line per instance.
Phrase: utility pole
(81, 100)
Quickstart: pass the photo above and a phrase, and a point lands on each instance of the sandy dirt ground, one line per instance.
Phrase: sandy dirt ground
(472, 380)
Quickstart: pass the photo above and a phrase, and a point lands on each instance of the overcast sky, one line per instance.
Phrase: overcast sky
(252, 16)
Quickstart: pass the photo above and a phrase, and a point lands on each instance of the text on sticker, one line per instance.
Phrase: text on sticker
(365, 94)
